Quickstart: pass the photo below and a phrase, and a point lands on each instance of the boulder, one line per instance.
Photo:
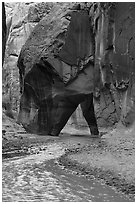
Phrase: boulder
(54, 61)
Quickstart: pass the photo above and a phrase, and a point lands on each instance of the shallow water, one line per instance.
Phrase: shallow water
(38, 178)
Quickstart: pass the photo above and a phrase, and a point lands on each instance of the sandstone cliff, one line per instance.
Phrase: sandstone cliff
(113, 25)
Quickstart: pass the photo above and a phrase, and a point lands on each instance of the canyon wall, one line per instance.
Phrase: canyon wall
(113, 25)
(21, 18)
(115, 42)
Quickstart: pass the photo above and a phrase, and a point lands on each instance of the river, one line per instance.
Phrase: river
(38, 178)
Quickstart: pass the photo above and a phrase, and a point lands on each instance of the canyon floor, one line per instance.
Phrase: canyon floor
(110, 159)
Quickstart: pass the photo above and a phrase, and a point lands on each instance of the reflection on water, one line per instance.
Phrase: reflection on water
(37, 178)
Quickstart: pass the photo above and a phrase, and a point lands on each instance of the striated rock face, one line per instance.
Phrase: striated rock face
(112, 25)
(115, 61)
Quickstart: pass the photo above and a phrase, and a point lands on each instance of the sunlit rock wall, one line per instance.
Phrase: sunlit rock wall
(21, 18)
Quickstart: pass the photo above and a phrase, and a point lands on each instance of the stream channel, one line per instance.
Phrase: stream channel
(39, 178)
